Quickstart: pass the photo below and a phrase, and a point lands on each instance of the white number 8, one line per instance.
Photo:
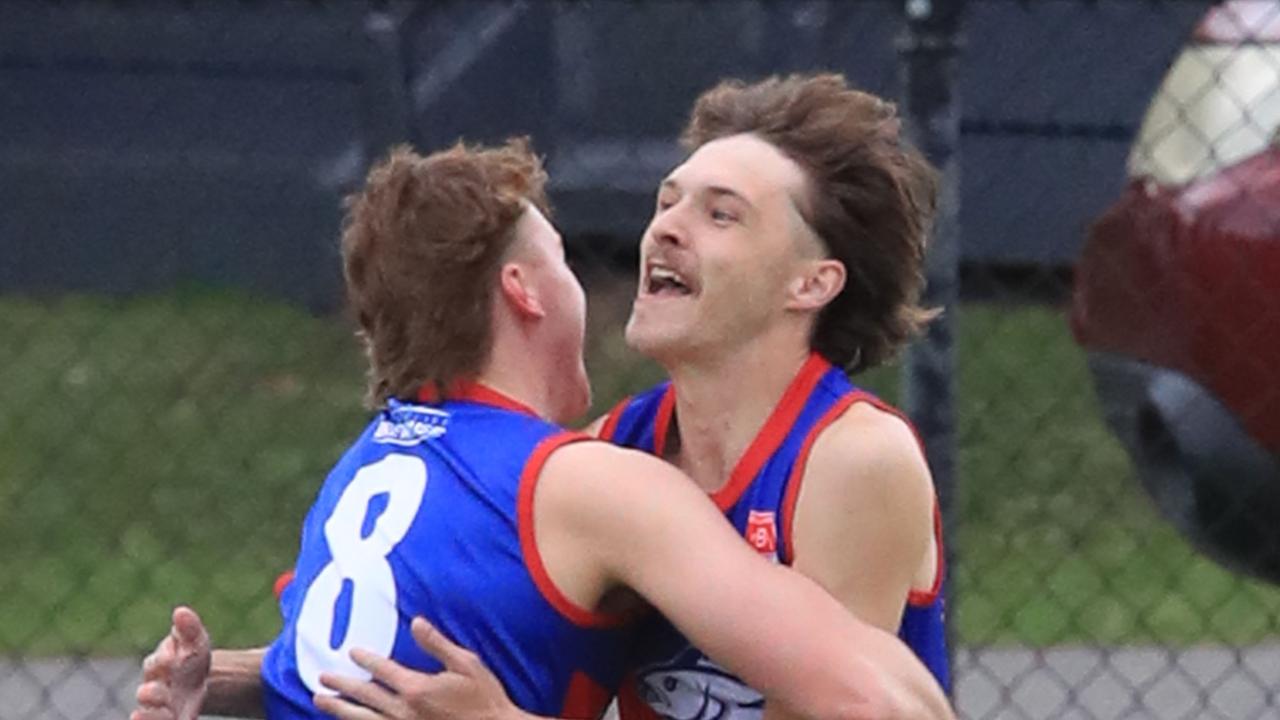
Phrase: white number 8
(362, 560)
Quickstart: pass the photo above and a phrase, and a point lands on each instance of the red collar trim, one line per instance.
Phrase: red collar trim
(471, 391)
(766, 441)
(662, 421)
(774, 431)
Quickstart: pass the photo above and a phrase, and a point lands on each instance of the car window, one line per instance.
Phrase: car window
(1218, 105)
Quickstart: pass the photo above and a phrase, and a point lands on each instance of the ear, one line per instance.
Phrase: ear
(518, 292)
(817, 283)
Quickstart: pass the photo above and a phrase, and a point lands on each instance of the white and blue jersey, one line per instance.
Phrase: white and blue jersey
(430, 513)
(669, 676)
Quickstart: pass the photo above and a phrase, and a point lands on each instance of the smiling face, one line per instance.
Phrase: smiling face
(726, 241)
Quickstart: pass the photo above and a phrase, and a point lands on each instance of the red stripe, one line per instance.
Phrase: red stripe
(924, 598)
(585, 699)
(475, 392)
(612, 419)
(630, 706)
(774, 431)
(662, 421)
(529, 546)
(282, 582)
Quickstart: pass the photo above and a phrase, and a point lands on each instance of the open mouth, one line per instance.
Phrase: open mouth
(665, 282)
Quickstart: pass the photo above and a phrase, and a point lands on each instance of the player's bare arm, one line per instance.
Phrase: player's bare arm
(863, 524)
(646, 527)
(235, 684)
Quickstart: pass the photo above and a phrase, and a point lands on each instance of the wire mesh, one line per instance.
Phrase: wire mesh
(176, 377)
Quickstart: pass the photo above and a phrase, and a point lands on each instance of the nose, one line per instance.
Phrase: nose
(667, 227)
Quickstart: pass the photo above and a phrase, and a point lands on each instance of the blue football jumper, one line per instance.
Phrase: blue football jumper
(669, 676)
(430, 513)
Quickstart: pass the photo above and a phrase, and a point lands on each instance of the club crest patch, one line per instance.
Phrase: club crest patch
(762, 531)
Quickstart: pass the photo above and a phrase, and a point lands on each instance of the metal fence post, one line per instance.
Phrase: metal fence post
(928, 52)
(387, 116)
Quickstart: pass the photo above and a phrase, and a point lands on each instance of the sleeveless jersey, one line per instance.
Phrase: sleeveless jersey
(671, 678)
(430, 513)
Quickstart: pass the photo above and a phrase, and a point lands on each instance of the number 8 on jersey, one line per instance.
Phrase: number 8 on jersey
(359, 568)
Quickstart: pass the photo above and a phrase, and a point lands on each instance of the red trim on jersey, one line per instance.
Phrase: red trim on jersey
(475, 392)
(612, 419)
(662, 420)
(630, 706)
(914, 597)
(924, 598)
(576, 614)
(282, 582)
(585, 699)
(773, 433)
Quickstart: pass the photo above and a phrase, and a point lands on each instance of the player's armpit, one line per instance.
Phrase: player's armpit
(235, 684)
(646, 526)
(863, 521)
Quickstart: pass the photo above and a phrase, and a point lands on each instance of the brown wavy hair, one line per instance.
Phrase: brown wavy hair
(871, 199)
(422, 243)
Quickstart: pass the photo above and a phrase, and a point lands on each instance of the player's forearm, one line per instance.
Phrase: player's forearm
(903, 687)
(849, 670)
(880, 696)
(235, 684)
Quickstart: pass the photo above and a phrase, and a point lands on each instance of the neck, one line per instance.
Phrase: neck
(723, 402)
(513, 373)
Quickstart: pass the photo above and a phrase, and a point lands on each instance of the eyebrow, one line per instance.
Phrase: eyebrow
(716, 190)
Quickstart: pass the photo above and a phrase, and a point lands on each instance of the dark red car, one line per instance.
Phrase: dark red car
(1177, 295)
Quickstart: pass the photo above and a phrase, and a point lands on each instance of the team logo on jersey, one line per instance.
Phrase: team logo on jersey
(691, 687)
(406, 425)
(762, 532)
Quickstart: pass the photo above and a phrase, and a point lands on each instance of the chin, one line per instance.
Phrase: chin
(649, 339)
(642, 342)
(666, 349)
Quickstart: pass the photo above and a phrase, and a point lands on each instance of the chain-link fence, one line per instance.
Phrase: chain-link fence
(175, 379)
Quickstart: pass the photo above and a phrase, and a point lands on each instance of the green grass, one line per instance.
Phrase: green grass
(163, 450)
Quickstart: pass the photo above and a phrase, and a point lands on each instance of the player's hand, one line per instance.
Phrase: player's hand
(464, 690)
(175, 676)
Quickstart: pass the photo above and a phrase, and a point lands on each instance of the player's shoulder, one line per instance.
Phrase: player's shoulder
(871, 422)
(603, 487)
(870, 452)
